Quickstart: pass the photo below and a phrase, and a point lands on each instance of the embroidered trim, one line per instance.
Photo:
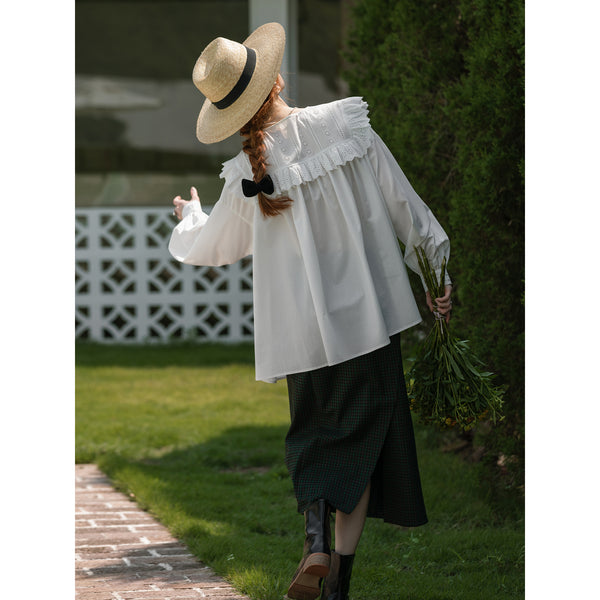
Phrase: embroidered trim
(354, 143)
(350, 114)
(318, 165)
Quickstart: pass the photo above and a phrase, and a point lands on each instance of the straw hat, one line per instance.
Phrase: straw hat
(236, 79)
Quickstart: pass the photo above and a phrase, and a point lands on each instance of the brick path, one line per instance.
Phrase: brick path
(122, 553)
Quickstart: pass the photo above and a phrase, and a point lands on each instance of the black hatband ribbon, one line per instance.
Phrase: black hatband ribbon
(242, 83)
(251, 188)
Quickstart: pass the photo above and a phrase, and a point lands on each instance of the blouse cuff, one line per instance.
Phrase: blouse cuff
(191, 207)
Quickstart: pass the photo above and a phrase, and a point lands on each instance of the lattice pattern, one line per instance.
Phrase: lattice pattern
(129, 289)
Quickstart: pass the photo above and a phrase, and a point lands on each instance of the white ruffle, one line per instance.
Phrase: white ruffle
(236, 167)
(329, 159)
(357, 137)
(352, 137)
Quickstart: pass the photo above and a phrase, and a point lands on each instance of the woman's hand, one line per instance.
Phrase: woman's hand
(442, 305)
(179, 202)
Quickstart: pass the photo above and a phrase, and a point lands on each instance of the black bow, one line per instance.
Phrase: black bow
(251, 188)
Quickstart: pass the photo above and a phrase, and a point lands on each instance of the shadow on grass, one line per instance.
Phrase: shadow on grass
(230, 500)
(181, 354)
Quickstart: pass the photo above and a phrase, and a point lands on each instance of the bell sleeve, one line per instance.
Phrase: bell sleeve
(413, 221)
(221, 238)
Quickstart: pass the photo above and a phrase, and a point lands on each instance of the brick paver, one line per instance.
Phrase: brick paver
(122, 553)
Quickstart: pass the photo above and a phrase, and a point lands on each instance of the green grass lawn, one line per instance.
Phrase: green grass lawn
(200, 444)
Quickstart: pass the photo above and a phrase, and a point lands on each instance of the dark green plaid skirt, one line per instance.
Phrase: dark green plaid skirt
(351, 422)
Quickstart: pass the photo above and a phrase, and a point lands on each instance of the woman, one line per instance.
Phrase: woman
(319, 201)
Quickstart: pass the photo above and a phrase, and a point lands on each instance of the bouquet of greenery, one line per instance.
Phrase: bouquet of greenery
(447, 385)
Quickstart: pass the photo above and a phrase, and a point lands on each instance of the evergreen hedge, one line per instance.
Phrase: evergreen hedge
(445, 86)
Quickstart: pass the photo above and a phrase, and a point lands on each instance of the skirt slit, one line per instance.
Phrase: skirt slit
(351, 423)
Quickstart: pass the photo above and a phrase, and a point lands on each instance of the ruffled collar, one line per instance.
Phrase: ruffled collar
(309, 143)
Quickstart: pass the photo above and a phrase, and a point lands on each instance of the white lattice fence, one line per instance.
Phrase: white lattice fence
(130, 289)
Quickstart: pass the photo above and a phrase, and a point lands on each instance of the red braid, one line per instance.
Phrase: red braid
(254, 147)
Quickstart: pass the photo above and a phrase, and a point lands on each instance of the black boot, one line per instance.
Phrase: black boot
(337, 584)
(306, 583)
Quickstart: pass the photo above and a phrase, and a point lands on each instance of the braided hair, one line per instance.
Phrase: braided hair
(254, 147)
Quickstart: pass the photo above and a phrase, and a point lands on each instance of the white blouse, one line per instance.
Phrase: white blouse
(329, 282)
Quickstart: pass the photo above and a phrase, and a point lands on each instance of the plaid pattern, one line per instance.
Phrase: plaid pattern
(351, 422)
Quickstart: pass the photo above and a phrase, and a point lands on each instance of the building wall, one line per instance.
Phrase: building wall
(136, 106)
